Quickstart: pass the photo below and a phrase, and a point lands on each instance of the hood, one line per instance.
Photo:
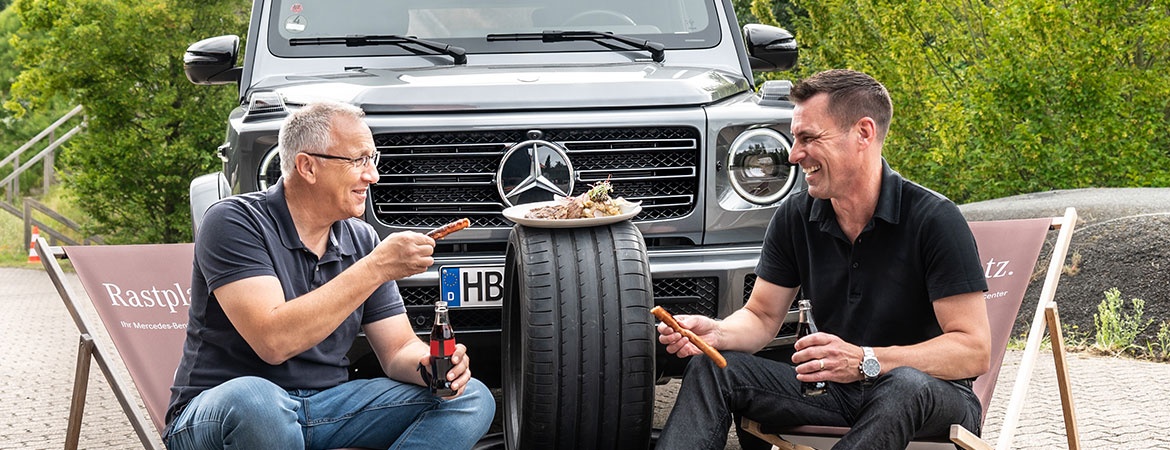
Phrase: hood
(498, 88)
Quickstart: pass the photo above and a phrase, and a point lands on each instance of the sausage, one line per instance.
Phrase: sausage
(707, 349)
(443, 231)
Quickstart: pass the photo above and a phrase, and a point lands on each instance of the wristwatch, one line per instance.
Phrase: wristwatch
(870, 367)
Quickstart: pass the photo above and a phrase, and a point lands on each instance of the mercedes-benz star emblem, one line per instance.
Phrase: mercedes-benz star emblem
(534, 171)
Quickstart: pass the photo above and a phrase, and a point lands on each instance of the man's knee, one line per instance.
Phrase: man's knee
(909, 383)
(251, 397)
(703, 364)
(478, 398)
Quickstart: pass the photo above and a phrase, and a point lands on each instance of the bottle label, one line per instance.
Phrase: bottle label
(442, 347)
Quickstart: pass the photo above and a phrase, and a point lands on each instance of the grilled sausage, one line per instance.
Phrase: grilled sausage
(443, 231)
(707, 349)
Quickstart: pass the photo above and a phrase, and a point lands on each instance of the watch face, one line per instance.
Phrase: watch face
(870, 367)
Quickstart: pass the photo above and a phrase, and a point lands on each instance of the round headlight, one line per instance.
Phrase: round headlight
(758, 166)
(269, 170)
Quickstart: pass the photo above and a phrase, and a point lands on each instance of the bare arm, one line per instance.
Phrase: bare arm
(748, 329)
(400, 352)
(278, 330)
(963, 350)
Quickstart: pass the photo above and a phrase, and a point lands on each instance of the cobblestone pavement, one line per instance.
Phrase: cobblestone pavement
(1121, 403)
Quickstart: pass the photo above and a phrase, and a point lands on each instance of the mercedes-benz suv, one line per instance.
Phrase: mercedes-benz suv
(476, 106)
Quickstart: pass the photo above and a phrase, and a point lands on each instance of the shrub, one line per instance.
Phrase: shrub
(1118, 330)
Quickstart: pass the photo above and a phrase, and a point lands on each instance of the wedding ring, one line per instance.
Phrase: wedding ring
(822, 363)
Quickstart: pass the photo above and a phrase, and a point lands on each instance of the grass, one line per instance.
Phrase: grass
(13, 252)
(13, 249)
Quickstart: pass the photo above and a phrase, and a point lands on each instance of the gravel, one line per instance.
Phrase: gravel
(1122, 240)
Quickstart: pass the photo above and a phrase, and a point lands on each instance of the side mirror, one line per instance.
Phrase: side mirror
(213, 60)
(769, 48)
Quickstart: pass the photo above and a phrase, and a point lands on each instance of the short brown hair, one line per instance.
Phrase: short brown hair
(852, 95)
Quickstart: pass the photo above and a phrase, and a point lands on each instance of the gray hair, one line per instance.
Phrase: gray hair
(309, 129)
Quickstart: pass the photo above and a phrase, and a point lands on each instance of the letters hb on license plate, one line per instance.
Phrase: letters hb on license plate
(471, 287)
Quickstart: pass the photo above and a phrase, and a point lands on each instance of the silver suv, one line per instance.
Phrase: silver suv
(480, 105)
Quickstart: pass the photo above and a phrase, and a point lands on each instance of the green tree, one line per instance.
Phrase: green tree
(1003, 97)
(149, 130)
(16, 131)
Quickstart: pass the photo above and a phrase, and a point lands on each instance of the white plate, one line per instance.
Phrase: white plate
(516, 214)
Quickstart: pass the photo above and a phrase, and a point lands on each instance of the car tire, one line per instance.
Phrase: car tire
(578, 338)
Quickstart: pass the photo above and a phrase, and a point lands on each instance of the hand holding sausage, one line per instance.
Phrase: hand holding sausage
(401, 255)
(707, 349)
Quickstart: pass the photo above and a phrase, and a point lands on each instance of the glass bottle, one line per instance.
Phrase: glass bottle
(442, 347)
(804, 327)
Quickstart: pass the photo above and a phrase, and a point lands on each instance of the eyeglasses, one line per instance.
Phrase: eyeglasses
(357, 163)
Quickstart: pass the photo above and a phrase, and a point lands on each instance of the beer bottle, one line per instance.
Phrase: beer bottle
(804, 327)
(442, 347)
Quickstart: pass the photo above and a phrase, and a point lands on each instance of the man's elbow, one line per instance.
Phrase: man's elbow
(271, 354)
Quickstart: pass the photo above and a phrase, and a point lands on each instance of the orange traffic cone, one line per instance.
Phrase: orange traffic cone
(33, 257)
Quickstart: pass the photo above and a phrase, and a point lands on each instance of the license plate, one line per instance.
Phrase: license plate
(472, 286)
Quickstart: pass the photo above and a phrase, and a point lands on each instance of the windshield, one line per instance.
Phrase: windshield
(677, 24)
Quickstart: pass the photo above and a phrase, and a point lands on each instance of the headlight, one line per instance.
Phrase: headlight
(269, 169)
(758, 166)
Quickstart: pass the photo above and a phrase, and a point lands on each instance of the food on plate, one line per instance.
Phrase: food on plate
(707, 349)
(443, 231)
(596, 202)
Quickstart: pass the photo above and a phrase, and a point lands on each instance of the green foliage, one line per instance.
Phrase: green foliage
(1160, 349)
(1003, 97)
(149, 130)
(1118, 330)
(14, 131)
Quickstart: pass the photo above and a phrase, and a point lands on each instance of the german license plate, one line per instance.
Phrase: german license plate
(472, 286)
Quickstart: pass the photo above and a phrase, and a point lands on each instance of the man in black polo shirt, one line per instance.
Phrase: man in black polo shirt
(895, 283)
(283, 282)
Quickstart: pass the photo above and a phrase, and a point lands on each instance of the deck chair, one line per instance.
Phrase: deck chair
(141, 295)
(1009, 250)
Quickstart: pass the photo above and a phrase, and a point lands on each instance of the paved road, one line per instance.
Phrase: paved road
(1121, 403)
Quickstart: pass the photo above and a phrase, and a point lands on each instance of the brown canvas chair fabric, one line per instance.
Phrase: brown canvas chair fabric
(1009, 250)
(141, 295)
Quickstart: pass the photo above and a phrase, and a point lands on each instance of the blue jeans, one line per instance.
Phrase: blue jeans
(887, 414)
(378, 413)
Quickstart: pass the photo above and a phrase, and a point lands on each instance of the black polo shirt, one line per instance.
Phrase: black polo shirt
(253, 235)
(879, 289)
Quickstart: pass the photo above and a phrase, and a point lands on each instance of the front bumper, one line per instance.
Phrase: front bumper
(713, 281)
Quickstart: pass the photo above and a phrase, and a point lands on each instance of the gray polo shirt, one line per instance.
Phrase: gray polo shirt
(253, 235)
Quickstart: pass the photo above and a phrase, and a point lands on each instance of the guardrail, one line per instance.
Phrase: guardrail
(11, 182)
(51, 233)
(54, 229)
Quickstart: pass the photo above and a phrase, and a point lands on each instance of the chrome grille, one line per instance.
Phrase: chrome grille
(429, 179)
(687, 295)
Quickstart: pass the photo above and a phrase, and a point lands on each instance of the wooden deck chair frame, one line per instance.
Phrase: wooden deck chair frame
(1046, 316)
(93, 349)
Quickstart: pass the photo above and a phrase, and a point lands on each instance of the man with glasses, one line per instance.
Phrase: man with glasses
(283, 282)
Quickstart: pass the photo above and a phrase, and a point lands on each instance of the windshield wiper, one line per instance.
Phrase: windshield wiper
(657, 50)
(405, 42)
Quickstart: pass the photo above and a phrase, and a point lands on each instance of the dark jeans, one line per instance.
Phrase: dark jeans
(886, 414)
